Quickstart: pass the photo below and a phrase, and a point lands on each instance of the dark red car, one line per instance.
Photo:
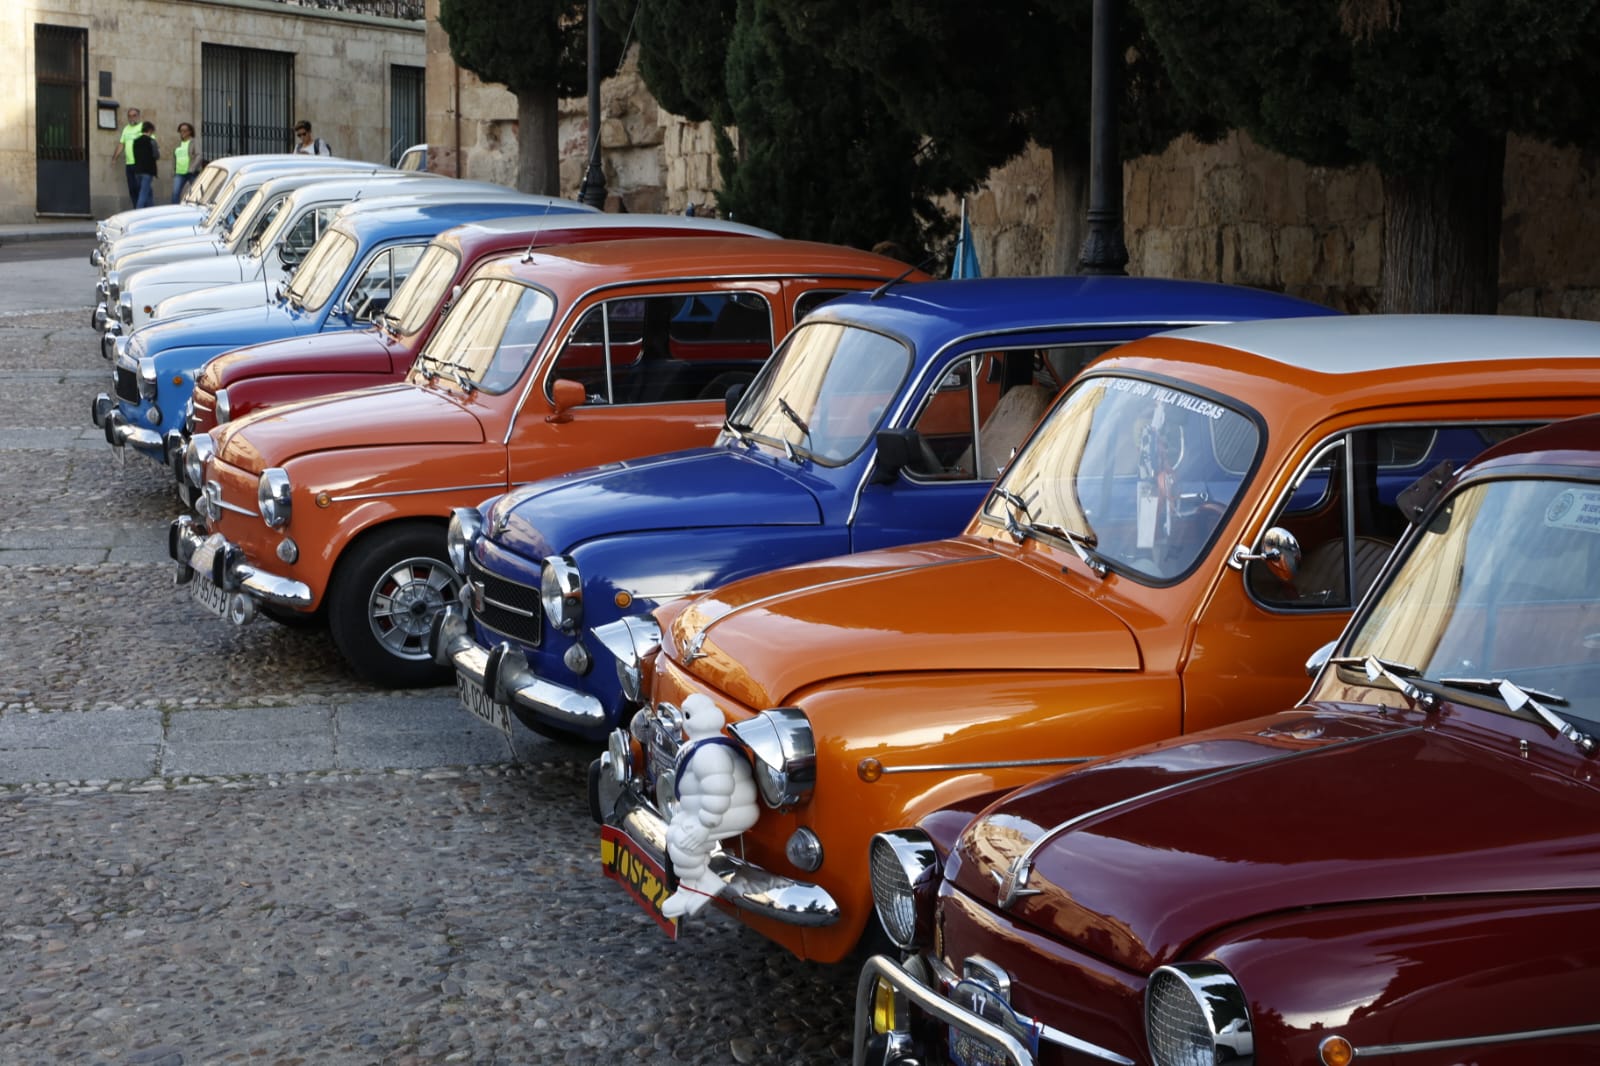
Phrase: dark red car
(237, 382)
(1404, 869)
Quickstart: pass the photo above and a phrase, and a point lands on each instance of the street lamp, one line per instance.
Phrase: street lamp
(1103, 251)
(593, 189)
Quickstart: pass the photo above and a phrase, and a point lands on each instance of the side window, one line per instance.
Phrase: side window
(812, 299)
(304, 233)
(666, 348)
(372, 289)
(979, 410)
(1344, 509)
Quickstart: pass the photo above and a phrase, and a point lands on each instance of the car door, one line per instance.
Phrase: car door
(1342, 506)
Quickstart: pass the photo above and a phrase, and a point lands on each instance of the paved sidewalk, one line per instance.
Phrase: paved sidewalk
(46, 231)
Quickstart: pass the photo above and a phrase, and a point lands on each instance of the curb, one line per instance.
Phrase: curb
(54, 232)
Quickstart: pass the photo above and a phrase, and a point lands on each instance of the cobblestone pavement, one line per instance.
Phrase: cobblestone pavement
(383, 913)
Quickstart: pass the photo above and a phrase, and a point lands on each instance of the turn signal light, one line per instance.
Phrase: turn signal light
(869, 770)
(1336, 1051)
(883, 1012)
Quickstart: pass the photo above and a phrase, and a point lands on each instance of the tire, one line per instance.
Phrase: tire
(382, 600)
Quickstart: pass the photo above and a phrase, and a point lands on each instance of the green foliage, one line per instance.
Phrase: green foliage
(1406, 85)
(682, 48)
(532, 46)
(818, 157)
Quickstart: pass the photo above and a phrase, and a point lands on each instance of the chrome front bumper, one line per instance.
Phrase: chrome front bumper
(915, 986)
(504, 674)
(119, 431)
(618, 800)
(230, 572)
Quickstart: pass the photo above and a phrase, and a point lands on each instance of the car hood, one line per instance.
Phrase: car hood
(702, 488)
(389, 415)
(173, 264)
(927, 607)
(231, 328)
(343, 352)
(1139, 855)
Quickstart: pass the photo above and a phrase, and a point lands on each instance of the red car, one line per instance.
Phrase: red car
(238, 382)
(1404, 869)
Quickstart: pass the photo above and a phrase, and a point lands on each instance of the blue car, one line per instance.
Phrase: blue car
(882, 420)
(344, 281)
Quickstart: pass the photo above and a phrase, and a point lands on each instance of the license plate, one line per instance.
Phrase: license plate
(202, 589)
(476, 700)
(968, 1050)
(628, 864)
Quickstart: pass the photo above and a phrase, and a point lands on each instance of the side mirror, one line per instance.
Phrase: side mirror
(896, 450)
(565, 394)
(731, 398)
(1280, 552)
(1319, 658)
(455, 291)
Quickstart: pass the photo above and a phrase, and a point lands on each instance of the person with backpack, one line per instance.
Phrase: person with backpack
(145, 154)
(305, 144)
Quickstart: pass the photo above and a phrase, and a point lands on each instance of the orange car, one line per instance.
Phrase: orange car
(546, 362)
(1194, 516)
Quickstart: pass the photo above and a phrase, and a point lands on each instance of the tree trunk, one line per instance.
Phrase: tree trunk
(538, 167)
(1441, 235)
(1071, 179)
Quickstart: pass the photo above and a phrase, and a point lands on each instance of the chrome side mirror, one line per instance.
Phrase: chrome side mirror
(1280, 551)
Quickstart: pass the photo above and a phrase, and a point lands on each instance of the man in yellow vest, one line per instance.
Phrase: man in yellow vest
(130, 133)
(185, 161)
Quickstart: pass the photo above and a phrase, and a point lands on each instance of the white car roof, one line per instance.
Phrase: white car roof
(1357, 344)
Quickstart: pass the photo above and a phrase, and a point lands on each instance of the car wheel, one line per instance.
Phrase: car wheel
(382, 601)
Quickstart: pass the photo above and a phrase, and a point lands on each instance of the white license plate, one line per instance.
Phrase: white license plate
(204, 592)
(476, 700)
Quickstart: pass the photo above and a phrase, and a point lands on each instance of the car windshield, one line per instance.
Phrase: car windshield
(235, 225)
(1500, 585)
(251, 224)
(824, 392)
(317, 276)
(1140, 473)
(267, 237)
(423, 291)
(228, 203)
(488, 338)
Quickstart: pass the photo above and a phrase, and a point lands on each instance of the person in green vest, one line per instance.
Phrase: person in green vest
(185, 161)
(130, 133)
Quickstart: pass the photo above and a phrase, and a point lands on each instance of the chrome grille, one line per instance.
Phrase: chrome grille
(507, 607)
(127, 384)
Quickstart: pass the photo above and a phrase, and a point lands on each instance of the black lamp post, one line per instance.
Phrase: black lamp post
(593, 189)
(1103, 251)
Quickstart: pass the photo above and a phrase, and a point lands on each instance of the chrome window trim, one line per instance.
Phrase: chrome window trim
(1366, 1050)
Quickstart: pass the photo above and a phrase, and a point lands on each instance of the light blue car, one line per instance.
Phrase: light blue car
(345, 280)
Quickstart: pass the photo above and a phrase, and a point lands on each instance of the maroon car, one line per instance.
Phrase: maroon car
(1404, 869)
(237, 382)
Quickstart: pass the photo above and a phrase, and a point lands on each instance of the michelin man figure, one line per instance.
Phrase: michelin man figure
(716, 800)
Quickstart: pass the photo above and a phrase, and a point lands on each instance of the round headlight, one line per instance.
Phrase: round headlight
(465, 525)
(1195, 1015)
(272, 497)
(224, 408)
(561, 592)
(904, 868)
(195, 457)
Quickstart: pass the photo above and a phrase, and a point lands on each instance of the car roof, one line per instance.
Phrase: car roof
(401, 213)
(1573, 443)
(936, 310)
(670, 258)
(530, 224)
(364, 185)
(1358, 344)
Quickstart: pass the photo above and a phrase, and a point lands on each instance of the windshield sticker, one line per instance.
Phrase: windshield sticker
(1172, 397)
(1575, 509)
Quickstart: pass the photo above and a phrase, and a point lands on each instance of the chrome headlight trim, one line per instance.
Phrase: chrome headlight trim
(785, 752)
(465, 525)
(210, 503)
(561, 593)
(113, 287)
(147, 377)
(630, 639)
(224, 409)
(195, 457)
(1194, 1012)
(905, 868)
(125, 308)
(272, 497)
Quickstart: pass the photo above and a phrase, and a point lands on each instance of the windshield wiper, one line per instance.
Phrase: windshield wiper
(736, 430)
(1082, 544)
(1518, 698)
(1400, 675)
(794, 416)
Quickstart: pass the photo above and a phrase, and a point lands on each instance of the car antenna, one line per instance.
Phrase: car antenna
(886, 286)
(534, 241)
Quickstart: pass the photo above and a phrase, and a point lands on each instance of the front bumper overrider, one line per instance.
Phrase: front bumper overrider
(504, 674)
(618, 799)
(106, 414)
(229, 570)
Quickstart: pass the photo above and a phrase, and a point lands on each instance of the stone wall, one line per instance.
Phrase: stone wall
(152, 50)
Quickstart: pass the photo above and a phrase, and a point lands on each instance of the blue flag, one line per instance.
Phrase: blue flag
(965, 262)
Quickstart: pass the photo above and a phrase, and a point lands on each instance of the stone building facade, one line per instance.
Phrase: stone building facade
(340, 64)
